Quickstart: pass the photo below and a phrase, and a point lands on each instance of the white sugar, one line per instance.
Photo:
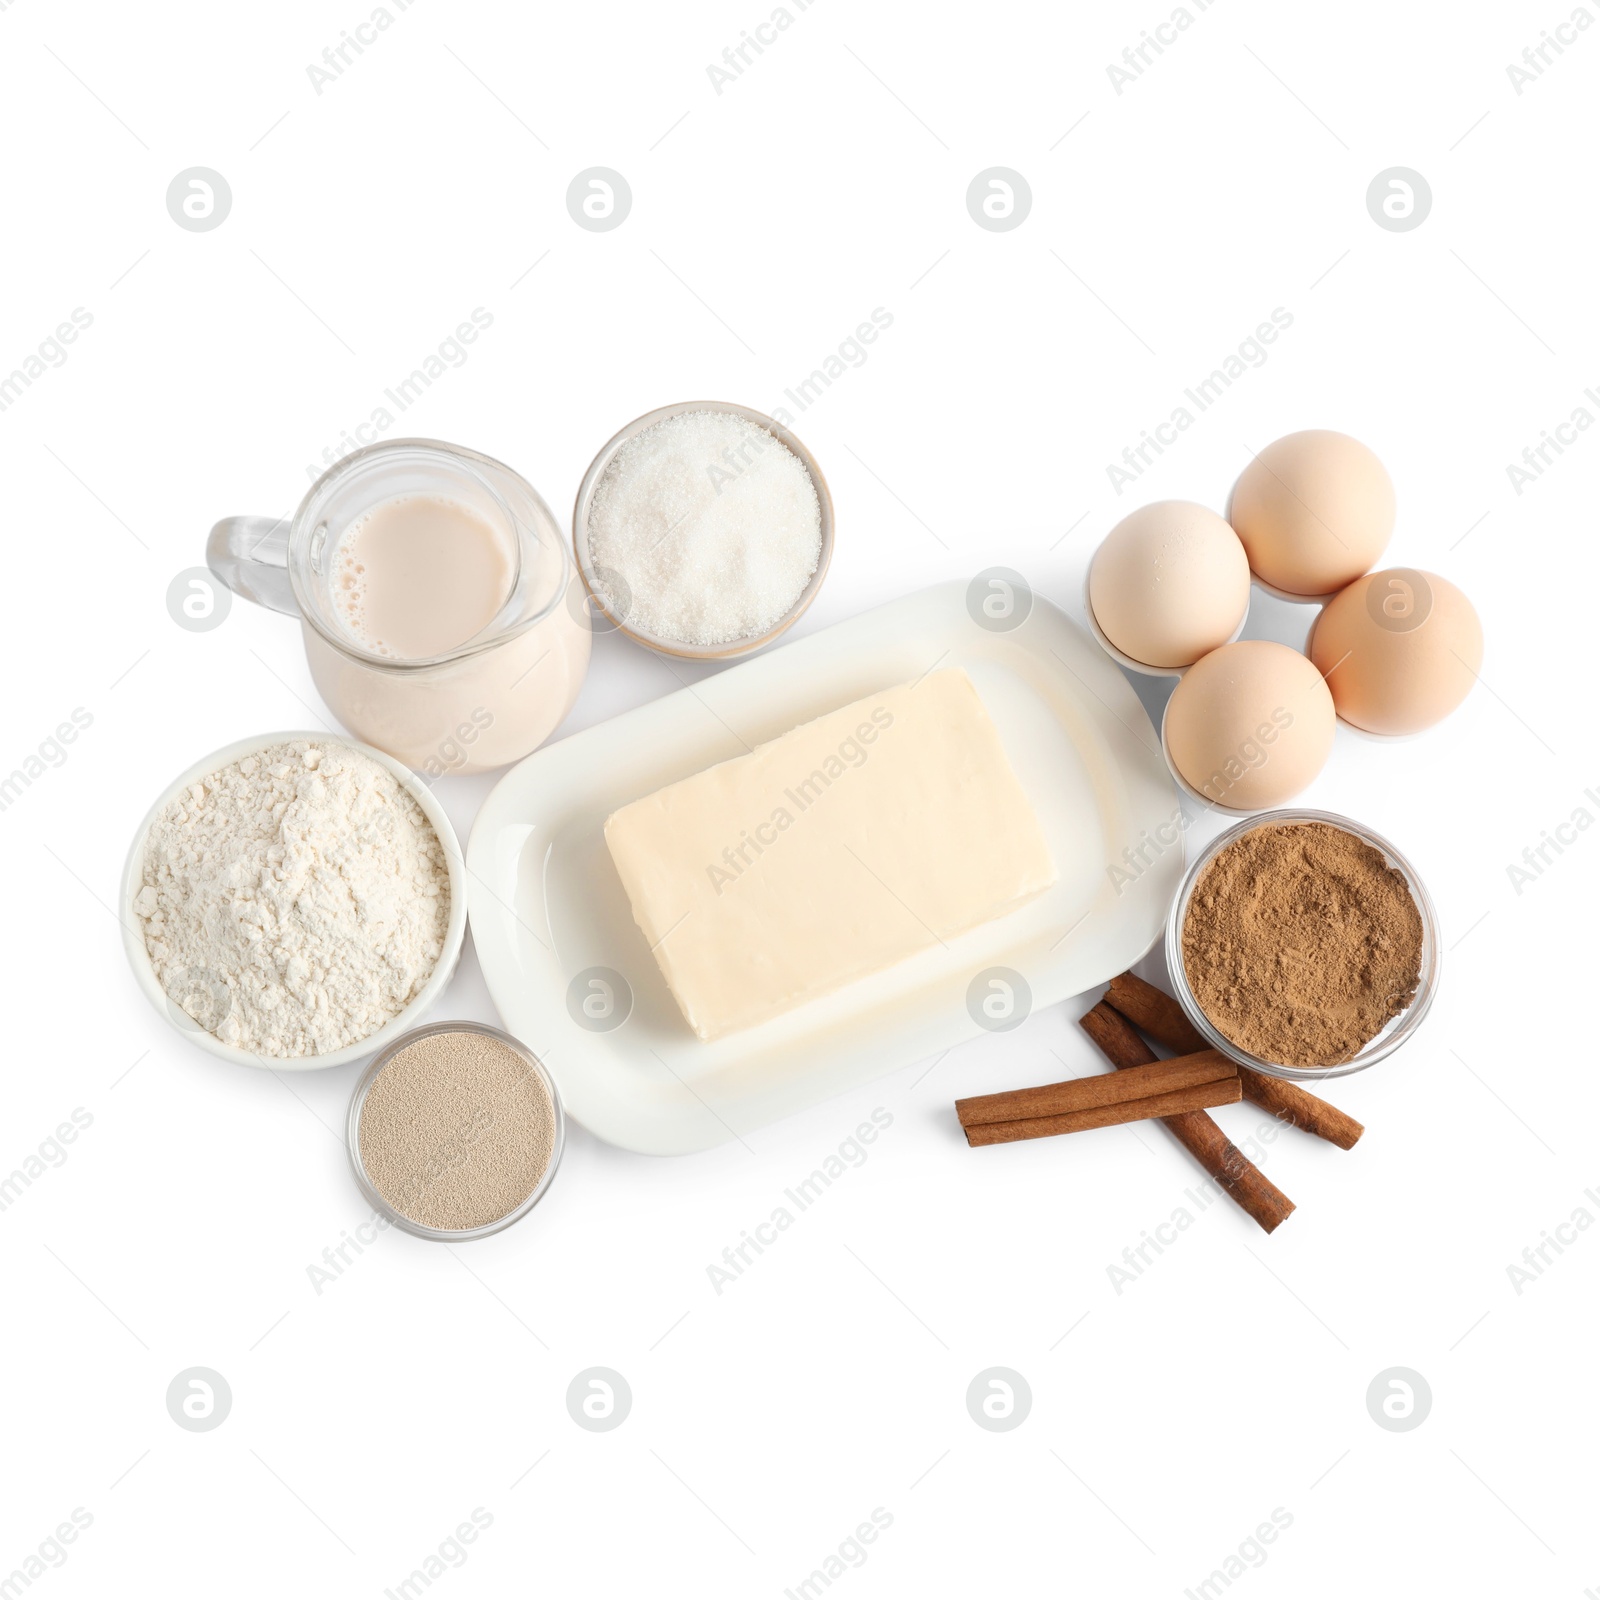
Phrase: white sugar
(704, 529)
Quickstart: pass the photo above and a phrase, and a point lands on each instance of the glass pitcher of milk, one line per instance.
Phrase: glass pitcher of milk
(438, 603)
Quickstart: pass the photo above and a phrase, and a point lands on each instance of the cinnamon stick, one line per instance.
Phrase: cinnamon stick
(1103, 1089)
(1243, 1181)
(1162, 1018)
(1190, 1100)
(1154, 1011)
(1288, 1102)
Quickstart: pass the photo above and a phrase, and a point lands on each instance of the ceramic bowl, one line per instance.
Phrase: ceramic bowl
(145, 975)
(733, 648)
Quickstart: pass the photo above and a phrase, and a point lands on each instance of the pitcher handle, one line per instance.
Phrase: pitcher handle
(251, 556)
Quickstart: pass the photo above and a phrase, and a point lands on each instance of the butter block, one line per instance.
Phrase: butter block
(830, 853)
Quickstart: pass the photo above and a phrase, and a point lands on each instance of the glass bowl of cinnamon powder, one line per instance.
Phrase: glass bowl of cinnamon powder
(1304, 945)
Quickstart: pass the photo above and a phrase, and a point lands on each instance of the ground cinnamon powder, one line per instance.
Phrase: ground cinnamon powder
(1301, 942)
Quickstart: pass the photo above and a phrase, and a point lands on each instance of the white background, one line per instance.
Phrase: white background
(829, 179)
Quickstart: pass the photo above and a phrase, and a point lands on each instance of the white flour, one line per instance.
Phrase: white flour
(295, 901)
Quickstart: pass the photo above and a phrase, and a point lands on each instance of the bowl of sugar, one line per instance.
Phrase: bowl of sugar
(702, 530)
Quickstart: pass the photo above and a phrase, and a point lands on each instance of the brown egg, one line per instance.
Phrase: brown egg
(1400, 650)
(1169, 583)
(1250, 725)
(1314, 511)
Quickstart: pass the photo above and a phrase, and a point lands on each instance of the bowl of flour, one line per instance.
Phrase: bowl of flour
(294, 901)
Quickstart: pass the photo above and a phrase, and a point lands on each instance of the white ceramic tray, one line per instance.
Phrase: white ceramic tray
(547, 907)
